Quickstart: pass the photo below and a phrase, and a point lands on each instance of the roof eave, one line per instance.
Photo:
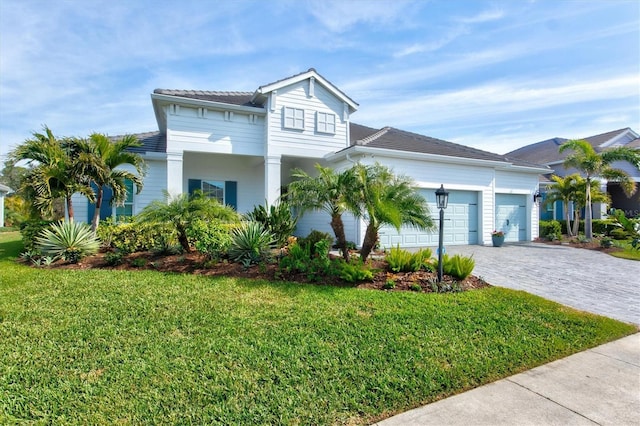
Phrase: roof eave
(223, 106)
(363, 150)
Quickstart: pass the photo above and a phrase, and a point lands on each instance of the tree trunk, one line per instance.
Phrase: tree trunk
(341, 240)
(183, 240)
(370, 238)
(567, 216)
(96, 214)
(588, 232)
(576, 221)
(70, 208)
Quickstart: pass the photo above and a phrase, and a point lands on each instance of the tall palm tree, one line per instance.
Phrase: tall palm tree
(387, 199)
(593, 164)
(329, 192)
(101, 161)
(580, 199)
(53, 173)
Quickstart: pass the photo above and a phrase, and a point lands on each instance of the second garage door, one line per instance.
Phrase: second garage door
(460, 223)
(511, 216)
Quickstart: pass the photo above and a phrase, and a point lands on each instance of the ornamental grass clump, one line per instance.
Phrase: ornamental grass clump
(251, 244)
(459, 267)
(68, 240)
(401, 260)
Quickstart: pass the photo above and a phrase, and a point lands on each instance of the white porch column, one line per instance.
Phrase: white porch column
(272, 165)
(1, 209)
(174, 173)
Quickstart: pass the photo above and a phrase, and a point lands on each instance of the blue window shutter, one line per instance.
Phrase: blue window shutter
(194, 185)
(106, 210)
(231, 193)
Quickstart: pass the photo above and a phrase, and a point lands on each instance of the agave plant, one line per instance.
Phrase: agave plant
(251, 243)
(68, 240)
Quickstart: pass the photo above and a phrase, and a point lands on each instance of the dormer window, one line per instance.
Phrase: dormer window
(293, 118)
(325, 122)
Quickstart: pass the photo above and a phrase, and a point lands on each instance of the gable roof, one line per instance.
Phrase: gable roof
(259, 94)
(546, 152)
(390, 138)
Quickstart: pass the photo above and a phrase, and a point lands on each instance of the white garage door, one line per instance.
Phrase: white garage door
(460, 223)
(511, 216)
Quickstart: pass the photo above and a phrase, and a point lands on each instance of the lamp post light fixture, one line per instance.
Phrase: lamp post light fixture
(537, 197)
(442, 199)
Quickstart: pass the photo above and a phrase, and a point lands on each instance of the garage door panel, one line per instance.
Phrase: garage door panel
(460, 226)
(511, 216)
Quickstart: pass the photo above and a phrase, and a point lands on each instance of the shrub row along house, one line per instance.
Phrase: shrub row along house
(240, 147)
(547, 153)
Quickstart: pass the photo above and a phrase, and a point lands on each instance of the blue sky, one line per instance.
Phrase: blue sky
(495, 75)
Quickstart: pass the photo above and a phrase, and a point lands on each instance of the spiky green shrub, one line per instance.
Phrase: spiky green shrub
(277, 219)
(458, 266)
(251, 243)
(68, 240)
(401, 260)
(211, 238)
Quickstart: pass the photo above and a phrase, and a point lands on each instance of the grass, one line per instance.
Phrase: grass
(103, 347)
(628, 252)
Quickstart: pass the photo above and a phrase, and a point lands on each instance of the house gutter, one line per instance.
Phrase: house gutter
(170, 99)
(363, 150)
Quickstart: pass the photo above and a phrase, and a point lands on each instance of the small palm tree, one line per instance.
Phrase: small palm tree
(387, 199)
(182, 210)
(329, 192)
(53, 173)
(593, 164)
(99, 160)
(564, 189)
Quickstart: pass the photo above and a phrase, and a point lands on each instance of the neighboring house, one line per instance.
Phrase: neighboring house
(4, 190)
(240, 148)
(547, 153)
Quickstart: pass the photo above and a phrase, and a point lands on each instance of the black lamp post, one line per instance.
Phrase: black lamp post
(442, 198)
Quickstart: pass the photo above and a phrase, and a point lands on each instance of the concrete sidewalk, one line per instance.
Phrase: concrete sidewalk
(600, 386)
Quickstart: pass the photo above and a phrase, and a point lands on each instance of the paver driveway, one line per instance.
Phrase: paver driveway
(583, 279)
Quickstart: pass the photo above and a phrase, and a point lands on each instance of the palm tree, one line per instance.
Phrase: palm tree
(580, 199)
(54, 172)
(329, 192)
(100, 160)
(183, 209)
(387, 199)
(564, 189)
(585, 158)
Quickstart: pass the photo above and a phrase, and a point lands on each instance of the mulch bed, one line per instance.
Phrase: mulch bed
(196, 263)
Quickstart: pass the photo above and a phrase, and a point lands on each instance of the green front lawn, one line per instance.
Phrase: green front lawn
(104, 347)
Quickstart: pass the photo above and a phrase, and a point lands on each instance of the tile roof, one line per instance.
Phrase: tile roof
(234, 98)
(546, 152)
(401, 140)
(151, 142)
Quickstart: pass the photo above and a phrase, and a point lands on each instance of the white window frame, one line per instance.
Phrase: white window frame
(293, 118)
(325, 122)
(217, 183)
(126, 203)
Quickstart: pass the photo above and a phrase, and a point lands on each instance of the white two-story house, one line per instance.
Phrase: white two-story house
(240, 148)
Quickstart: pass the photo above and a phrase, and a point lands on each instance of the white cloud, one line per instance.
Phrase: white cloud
(486, 16)
(339, 16)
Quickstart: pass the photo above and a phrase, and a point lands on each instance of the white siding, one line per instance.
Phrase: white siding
(321, 221)
(155, 183)
(247, 171)
(215, 132)
(308, 142)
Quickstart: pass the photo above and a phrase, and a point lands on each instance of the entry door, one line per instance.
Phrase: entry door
(511, 216)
